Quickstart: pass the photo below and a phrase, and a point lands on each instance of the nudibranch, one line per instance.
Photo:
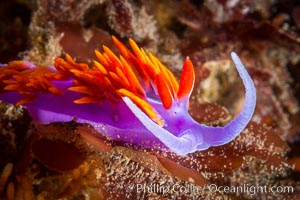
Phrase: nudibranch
(132, 98)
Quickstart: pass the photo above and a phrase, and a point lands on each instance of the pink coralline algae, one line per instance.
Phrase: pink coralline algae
(132, 98)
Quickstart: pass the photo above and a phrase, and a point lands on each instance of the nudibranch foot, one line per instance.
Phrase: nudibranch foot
(133, 98)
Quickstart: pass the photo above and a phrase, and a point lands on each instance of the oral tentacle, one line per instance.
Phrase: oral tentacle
(216, 136)
(180, 145)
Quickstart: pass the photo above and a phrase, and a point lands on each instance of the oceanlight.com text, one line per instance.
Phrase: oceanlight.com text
(250, 189)
(210, 188)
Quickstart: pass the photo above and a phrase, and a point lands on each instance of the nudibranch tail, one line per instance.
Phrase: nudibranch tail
(132, 97)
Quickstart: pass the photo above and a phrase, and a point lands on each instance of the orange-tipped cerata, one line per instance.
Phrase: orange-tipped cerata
(111, 77)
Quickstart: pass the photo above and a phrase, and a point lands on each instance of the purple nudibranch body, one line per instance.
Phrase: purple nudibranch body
(151, 115)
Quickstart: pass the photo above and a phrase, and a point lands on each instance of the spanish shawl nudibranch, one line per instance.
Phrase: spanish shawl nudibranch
(132, 98)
